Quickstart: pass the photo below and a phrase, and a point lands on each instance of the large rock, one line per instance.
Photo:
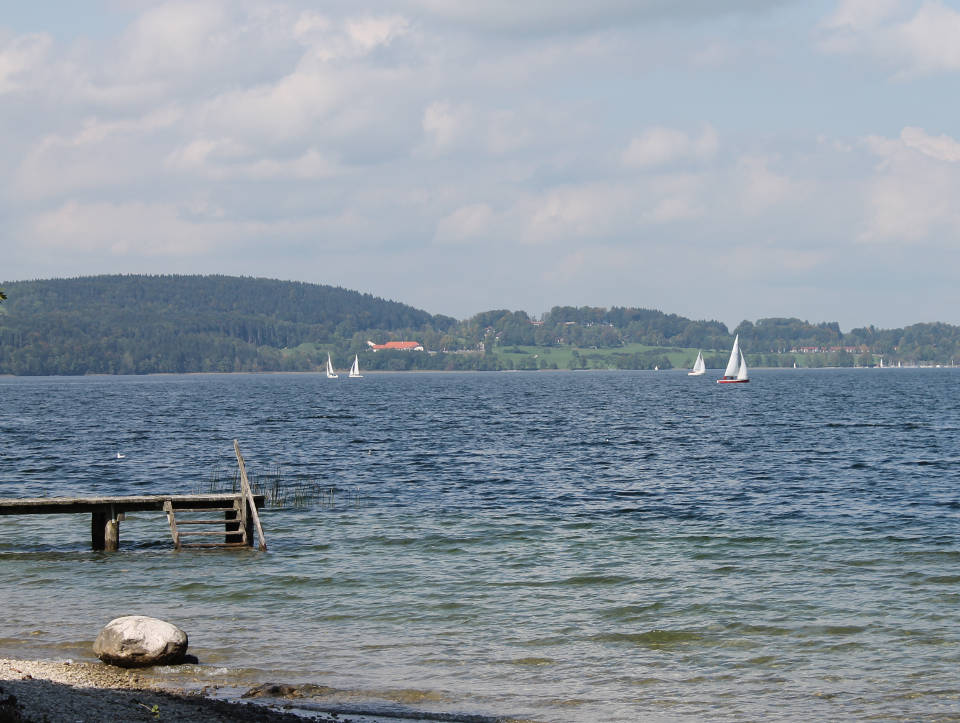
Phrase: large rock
(136, 641)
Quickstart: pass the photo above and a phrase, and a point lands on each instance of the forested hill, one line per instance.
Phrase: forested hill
(142, 324)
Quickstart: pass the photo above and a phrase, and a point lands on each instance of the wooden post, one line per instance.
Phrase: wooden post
(98, 525)
(111, 531)
(248, 527)
(105, 529)
(172, 519)
(250, 503)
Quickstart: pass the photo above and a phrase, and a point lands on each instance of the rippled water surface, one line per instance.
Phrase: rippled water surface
(556, 546)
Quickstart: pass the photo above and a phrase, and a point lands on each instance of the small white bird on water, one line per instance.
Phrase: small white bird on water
(120, 456)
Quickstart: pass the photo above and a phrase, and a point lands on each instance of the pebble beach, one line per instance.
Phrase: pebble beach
(32, 690)
(37, 691)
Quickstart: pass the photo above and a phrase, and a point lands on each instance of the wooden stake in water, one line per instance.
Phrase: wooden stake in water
(248, 496)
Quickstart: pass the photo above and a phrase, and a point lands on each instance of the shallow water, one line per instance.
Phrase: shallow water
(558, 546)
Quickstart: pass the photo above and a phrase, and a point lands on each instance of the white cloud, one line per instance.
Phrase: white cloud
(941, 148)
(445, 123)
(18, 56)
(101, 154)
(862, 14)
(175, 37)
(468, 223)
(760, 188)
(354, 37)
(155, 231)
(931, 39)
(140, 229)
(370, 32)
(449, 127)
(585, 211)
(912, 197)
(660, 146)
(912, 40)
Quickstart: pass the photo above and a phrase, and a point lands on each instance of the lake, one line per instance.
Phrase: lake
(565, 546)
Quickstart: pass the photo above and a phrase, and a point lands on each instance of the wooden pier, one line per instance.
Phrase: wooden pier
(240, 517)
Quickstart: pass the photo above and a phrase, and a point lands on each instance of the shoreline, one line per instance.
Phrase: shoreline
(384, 372)
(47, 691)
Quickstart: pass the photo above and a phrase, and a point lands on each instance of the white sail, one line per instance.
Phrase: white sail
(731, 370)
(330, 372)
(742, 373)
(699, 367)
(355, 369)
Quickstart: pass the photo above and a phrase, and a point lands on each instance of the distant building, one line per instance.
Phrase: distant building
(397, 345)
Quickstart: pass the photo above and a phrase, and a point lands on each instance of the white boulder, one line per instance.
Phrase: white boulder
(137, 641)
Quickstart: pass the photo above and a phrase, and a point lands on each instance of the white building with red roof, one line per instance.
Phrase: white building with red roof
(397, 346)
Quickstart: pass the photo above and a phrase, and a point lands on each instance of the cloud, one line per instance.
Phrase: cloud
(759, 187)
(941, 148)
(20, 55)
(451, 127)
(468, 223)
(174, 37)
(102, 154)
(897, 34)
(911, 198)
(584, 211)
(331, 39)
(138, 228)
(184, 230)
(857, 15)
(660, 146)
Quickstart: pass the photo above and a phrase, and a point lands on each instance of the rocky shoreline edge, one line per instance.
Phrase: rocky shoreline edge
(55, 692)
(43, 691)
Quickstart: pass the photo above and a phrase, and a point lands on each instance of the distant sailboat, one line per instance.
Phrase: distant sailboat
(355, 369)
(736, 371)
(698, 366)
(330, 372)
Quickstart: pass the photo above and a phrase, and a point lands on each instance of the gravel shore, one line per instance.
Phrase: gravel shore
(39, 691)
(65, 692)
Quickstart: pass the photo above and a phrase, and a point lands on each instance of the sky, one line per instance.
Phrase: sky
(717, 159)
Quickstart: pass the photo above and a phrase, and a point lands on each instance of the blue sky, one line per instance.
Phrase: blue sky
(723, 160)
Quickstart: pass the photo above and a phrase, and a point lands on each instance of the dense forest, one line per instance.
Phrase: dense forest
(140, 324)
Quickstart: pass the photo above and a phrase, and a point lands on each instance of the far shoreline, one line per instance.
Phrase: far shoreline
(380, 372)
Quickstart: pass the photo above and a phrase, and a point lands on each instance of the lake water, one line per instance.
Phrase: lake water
(553, 546)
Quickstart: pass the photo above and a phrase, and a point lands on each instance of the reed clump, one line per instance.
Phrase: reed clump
(280, 490)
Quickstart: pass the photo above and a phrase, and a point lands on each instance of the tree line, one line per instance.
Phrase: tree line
(137, 324)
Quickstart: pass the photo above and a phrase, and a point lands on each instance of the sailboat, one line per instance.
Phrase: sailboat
(355, 369)
(736, 371)
(330, 372)
(698, 366)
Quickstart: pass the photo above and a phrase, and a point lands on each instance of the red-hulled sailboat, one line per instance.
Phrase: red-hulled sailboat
(736, 371)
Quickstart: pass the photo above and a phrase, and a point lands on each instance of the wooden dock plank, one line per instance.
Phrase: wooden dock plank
(127, 503)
